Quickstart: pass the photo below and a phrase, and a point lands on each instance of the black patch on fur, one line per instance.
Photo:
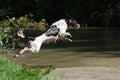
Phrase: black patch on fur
(52, 31)
(71, 22)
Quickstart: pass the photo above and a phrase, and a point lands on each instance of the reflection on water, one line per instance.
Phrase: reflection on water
(90, 47)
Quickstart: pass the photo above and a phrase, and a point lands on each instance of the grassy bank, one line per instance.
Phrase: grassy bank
(12, 71)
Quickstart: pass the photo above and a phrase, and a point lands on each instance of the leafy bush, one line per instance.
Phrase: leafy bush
(10, 26)
(11, 71)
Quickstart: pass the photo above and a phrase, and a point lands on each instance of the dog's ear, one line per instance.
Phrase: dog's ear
(68, 16)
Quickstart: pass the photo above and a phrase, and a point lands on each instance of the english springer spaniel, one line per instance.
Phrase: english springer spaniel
(57, 31)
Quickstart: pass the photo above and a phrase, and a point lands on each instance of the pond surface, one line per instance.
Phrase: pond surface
(90, 47)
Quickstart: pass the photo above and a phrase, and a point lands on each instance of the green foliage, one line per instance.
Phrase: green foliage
(54, 9)
(11, 71)
(25, 22)
(9, 28)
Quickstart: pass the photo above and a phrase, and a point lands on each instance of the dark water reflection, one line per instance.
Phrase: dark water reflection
(90, 47)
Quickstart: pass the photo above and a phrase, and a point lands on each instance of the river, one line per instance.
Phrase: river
(90, 47)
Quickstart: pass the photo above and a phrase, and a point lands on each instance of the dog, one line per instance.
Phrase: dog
(57, 31)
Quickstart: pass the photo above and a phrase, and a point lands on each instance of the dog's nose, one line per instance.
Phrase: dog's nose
(78, 26)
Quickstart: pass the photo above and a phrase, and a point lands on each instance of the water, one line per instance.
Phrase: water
(90, 47)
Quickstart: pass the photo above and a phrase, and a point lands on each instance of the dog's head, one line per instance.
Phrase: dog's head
(73, 24)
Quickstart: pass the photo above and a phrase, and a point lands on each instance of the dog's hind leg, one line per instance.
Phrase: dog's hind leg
(23, 51)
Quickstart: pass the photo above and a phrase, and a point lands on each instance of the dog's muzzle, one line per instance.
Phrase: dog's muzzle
(78, 26)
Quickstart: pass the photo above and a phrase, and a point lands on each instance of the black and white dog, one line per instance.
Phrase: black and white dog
(57, 31)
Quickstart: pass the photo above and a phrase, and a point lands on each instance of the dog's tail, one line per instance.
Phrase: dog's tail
(22, 35)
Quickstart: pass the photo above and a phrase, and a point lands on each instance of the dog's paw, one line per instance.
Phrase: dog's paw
(15, 56)
(70, 40)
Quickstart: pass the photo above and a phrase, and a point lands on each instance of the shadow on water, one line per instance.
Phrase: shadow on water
(90, 47)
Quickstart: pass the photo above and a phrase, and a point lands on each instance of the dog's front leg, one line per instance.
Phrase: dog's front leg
(68, 39)
(65, 34)
(68, 34)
